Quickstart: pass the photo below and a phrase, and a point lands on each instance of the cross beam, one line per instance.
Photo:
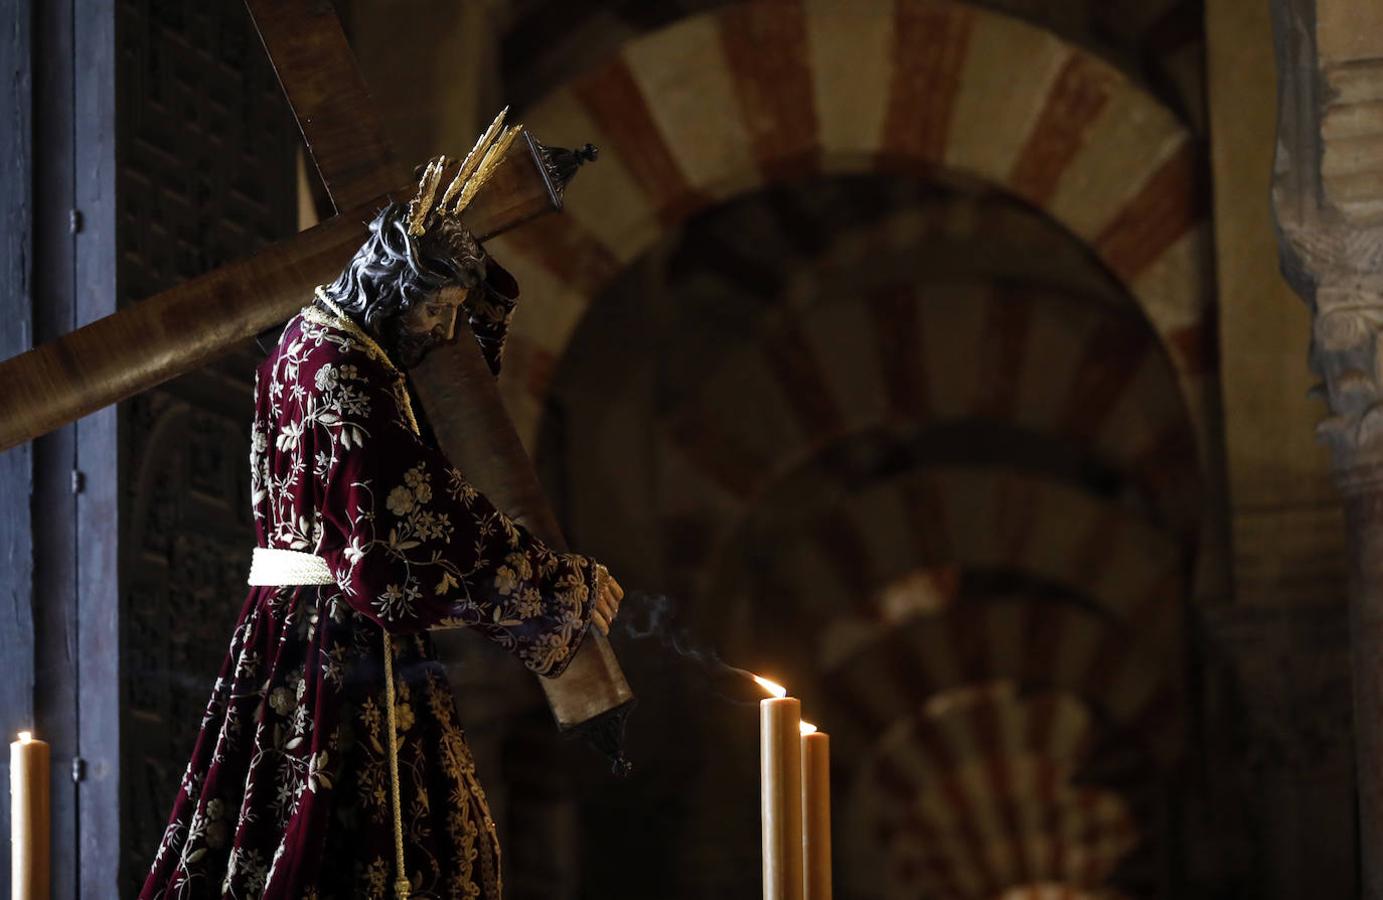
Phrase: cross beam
(318, 73)
(182, 329)
(327, 94)
(186, 327)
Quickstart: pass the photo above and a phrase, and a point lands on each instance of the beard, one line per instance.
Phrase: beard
(410, 347)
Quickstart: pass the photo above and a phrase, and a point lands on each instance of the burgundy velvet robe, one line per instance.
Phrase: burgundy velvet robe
(287, 792)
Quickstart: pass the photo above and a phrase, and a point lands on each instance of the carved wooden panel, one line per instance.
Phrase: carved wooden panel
(206, 149)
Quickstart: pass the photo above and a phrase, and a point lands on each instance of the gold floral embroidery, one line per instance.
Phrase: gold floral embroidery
(377, 878)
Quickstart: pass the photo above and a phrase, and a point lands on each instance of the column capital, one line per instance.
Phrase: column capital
(1327, 198)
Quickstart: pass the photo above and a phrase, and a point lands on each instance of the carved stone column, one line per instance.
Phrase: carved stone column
(1328, 199)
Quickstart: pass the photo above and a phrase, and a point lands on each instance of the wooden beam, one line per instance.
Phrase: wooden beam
(461, 398)
(318, 74)
(186, 327)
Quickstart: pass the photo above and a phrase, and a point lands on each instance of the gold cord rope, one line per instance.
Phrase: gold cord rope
(402, 886)
(339, 320)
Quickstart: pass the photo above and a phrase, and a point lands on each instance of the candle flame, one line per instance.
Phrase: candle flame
(772, 687)
(807, 727)
(25, 737)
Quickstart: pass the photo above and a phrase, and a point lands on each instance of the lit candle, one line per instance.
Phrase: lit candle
(780, 759)
(28, 818)
(816, 813)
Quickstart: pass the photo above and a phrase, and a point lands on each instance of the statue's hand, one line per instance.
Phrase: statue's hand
(608, 597)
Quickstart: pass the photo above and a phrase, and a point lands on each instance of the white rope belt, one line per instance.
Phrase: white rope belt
(269, 566)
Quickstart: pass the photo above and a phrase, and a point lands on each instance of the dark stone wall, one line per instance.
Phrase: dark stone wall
(206, 175)
(16, 465)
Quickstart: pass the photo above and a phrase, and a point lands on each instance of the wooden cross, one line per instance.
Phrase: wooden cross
(184, 328)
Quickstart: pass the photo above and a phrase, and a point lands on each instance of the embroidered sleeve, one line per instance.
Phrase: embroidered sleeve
(413, 545)
(489, 307)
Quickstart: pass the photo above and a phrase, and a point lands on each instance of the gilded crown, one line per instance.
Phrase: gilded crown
(427, 211)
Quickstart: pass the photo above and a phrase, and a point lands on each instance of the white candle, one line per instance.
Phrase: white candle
(816, 813)
(29, 814)
(780, 758)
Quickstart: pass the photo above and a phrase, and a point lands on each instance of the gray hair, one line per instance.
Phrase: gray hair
(393, 270)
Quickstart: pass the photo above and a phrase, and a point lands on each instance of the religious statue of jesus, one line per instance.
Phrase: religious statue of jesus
(330, 763)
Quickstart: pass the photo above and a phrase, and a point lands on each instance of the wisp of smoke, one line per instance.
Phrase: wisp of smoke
(644, 615)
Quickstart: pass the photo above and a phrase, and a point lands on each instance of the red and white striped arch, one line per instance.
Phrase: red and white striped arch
(1161, 40)
(833, 566)
(1062, 833)
(905, 360)
(1037, 645)
(769, 90)
(966, 797)
(1024, 356)
(1021, 246)
(789, 248)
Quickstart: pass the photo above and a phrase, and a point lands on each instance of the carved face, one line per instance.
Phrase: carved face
(426, 324)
